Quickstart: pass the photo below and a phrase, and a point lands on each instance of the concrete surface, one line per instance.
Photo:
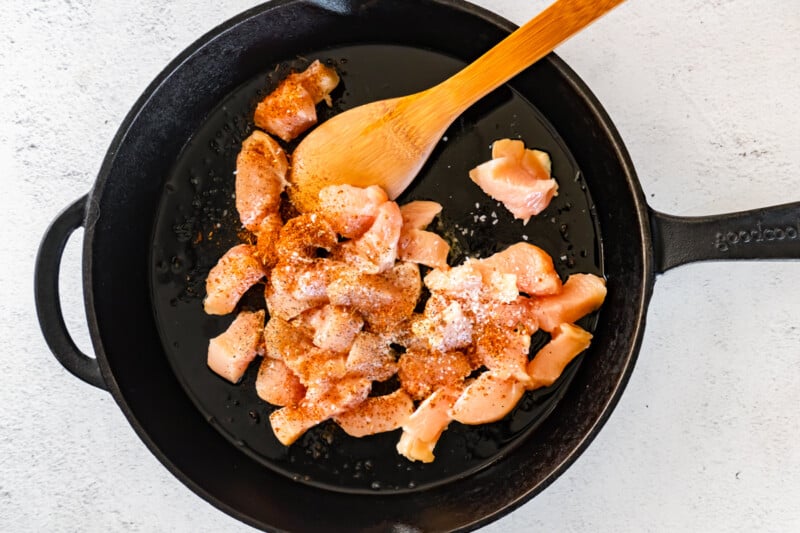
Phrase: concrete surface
(707, 435)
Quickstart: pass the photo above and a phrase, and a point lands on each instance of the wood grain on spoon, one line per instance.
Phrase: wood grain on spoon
(387, 142)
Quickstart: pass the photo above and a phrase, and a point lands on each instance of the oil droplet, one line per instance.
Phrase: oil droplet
(375, 485)
(254, 417)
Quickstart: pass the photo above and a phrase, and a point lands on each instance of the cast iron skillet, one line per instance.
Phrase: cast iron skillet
(161, 213)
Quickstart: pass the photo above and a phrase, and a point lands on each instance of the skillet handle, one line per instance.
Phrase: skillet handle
(767, 233)
(48, 303)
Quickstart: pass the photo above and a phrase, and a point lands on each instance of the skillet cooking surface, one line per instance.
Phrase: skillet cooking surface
(197, 222)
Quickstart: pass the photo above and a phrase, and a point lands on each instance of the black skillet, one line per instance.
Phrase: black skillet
(161, 213)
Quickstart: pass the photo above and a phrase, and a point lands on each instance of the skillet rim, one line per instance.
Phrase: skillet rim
(581, 90)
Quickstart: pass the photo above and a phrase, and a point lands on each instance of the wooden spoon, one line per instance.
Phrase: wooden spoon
(387, 142)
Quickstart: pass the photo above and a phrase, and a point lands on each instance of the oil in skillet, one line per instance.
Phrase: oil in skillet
(197, 223)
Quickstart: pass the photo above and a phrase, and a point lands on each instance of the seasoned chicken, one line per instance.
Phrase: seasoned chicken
(261, 168)
(290, 109)
(236, 271)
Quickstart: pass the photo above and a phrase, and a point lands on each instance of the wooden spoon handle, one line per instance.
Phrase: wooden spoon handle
(515, 53)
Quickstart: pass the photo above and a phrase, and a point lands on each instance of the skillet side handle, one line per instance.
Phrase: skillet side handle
(767, 233)
(48, 302)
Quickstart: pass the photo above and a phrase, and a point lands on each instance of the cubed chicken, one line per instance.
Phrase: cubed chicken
(290, 109)
(518, 178)
(230, 353)
(233, 275)
(532, 266)
(322, 401)
(486, 399)
(377, 414)
(278, 385)
(351, 210)
(261, 168)
(581, 294)
(423, 428)
(567, 342)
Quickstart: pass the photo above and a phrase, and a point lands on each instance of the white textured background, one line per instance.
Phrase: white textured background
(706, 94)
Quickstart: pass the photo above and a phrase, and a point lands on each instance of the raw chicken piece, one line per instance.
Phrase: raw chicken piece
(317, 365)
(235, 272)
(371, 357)
(581, 294)
(290, 109)
(415, 244)
(488, 398)
(322, 401)
(276, 384)
(230, 353)
(261, 168)
(503, 351)
(284, 341)
(425, 425)
(499, 286)
(319, 80)
(267, 239)
(566, 343)
(302, 237)
(421, 371)
(366, 293)
(419, 213)
(334, 328)
(535, 161)
(516, 315)
(309, 363)
(377, 414)
(296, 287)
(281, 303)
(351, 210)
(532, 266)
(518, 178)
(460, 282)
(444, 326)
(376, 250)
(382, 299)
(423, 247)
